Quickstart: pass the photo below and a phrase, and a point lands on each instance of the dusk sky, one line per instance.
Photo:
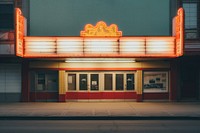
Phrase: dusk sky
(68, 17)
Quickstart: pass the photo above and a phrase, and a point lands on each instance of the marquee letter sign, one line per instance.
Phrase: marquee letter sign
(19, 30)
(179, 22)
(102, 41)
(101, 30)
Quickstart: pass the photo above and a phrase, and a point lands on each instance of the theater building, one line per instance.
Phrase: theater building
(96, 57)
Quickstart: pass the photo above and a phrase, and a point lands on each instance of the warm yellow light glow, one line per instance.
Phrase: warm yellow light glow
(100, 41)
(19, 28)
(179, 24)
(40, 45)
(69, 45)
(40, 39)
(132, 45)
(101, 30)
(100, 45)
(160, 45)
(98, 60)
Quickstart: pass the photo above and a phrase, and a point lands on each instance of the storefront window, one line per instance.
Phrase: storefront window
(46, 81)
(155, 82)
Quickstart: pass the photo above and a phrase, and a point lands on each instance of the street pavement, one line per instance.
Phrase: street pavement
(101, 110)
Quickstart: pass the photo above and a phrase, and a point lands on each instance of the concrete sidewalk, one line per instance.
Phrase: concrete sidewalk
(101, 110)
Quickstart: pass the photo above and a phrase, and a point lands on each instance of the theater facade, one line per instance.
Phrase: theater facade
(99, 65)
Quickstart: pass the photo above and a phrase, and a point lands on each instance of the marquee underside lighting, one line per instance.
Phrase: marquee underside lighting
(99, 60)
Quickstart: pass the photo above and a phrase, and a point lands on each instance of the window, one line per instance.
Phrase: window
(45, 81)
(155, 81)
(191, 18)
(6, 16)
(72, 81)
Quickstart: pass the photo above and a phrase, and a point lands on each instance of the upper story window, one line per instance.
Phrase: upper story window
(6, 16)
(192, 13)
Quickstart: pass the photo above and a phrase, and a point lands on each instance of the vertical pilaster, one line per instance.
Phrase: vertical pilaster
(139, 85)
(25, 81)
(174, 81)
(62, 92)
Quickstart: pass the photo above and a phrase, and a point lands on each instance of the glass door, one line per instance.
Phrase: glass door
(100, 81)
(94, 82)
(108, 82)
(72, 82)
(44, 86)
(83, 82)
(130, 84)
(119, 82)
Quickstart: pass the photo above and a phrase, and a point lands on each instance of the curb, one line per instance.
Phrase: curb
(99, 118)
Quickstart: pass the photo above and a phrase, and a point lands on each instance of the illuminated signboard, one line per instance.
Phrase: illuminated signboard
(99, 47)
(101, 30)
(179, 24)
(106, 41)
(19, 29)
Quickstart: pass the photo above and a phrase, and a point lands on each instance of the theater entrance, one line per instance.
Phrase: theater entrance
(111, 85)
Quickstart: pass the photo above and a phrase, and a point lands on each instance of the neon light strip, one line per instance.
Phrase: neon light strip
(91, 60)
(131, 46)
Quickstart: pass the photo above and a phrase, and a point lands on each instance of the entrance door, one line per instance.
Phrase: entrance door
(72, 82)
(189, 85)
(44, 86)
(94, 82)
(83, 82)
(100, 85)
(130, 82)
(108, 82)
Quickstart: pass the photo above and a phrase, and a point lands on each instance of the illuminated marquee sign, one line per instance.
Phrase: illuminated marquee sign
(103, 41)
(179, 31)
(101, 30)
(19, 28)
